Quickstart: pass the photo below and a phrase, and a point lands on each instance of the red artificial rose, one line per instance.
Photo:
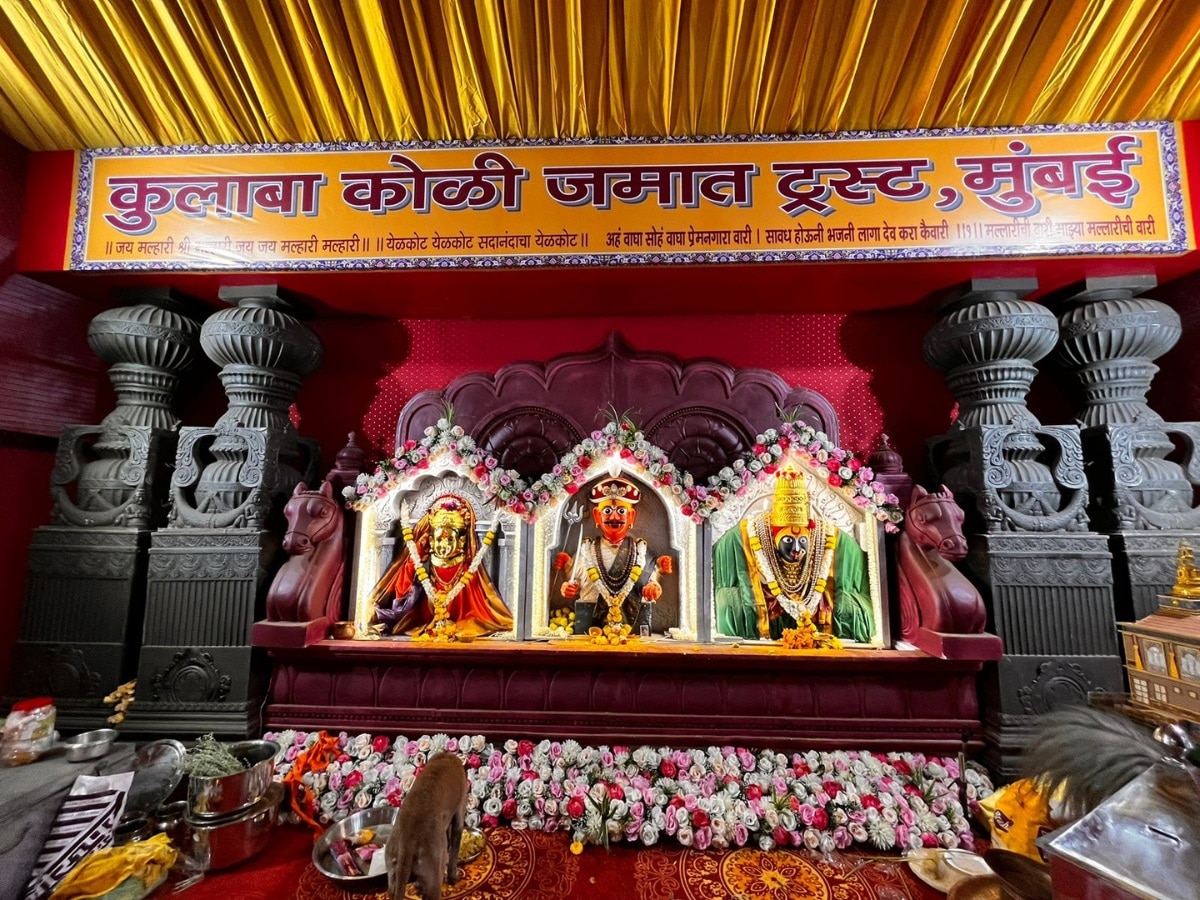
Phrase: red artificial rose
(820, 819)
(480, 470)
(585, 462)
(929, 840)
(675, 802)
(668, 769)
(760, 449)
(870, 801)
(530, 775)
(380, 744)
(832, 788)
(353, 780)
(525, 748)
(835, 481)
(854, 464)
(410, 444)
(571, 487)
(771, 468)
(615, 792)
(801, 769)
(833, 465)
(575, 807)
(490, 821)
(912, 789)
(394, 798)
(782, 838)
(794, 802)
(509, 808)
(902, 767)
(699, 818)
(753, 792)
(666, 478)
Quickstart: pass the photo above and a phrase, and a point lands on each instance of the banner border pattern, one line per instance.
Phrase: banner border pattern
(1168, 137)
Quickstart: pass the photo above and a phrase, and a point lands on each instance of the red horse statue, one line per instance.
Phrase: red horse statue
(937, 602)
(307, 591)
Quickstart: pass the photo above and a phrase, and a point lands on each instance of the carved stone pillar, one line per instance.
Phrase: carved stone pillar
(210, 567)
(1047, 580)
(82, 620)
(1141, 495)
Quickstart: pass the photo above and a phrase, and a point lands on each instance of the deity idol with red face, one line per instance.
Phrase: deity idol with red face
(614, 570)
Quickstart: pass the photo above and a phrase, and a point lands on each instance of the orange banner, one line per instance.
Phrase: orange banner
(997, 192)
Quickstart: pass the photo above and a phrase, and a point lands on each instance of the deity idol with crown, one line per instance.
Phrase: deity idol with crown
(780, 564)
(615, 578)
(436, 588)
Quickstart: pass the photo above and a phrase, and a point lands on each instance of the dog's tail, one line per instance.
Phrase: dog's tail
(399, 872)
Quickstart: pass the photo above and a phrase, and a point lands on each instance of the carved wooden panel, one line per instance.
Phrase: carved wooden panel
(703, 413)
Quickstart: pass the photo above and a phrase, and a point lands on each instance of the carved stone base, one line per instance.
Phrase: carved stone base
(197, 672)
(1143, 568)
(1019, 690)
(658, 693)
(1050, 600)
(82, 621)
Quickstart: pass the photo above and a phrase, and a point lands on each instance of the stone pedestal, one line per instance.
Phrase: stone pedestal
(210, 568)
(1051, 603)
(1142, 490)
(1046, 578)
(82, 619)
(197, 671)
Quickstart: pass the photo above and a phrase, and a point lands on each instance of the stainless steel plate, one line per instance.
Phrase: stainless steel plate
(157, 770)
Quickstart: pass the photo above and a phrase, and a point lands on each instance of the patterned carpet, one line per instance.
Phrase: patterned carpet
(520, 865)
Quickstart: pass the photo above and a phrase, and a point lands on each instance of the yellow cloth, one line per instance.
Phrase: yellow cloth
(1017, 815)
(104, 871)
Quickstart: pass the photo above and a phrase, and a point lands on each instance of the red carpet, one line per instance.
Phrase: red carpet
(521, 865)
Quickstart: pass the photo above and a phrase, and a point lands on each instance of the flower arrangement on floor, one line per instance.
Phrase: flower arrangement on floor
(720, 797)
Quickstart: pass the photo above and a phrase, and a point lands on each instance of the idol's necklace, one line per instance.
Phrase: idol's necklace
(824, 535)
(441, 600)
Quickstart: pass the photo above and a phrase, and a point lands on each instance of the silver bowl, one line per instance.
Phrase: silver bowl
(225, 795)
(379, 819)
(219, 845)
(90, 744)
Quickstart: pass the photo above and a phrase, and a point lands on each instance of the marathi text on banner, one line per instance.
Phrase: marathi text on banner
(1036, 191)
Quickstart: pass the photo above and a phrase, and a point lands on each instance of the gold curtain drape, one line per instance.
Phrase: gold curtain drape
(101, 73)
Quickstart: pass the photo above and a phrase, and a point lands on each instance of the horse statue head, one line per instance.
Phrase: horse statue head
(934, 521)
(934, 595)
(309, 584)
(313, 517)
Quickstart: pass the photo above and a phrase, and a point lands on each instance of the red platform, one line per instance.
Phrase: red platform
(661, 693)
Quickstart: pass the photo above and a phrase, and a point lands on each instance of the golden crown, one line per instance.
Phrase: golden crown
(789, 507)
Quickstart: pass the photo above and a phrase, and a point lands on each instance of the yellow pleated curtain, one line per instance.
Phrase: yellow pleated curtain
(103, 73)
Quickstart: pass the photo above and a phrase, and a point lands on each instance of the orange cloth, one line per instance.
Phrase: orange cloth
(314, 759)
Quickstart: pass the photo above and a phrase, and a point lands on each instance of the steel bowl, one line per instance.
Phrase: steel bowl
(472, 835)
(90, 744)
(379, 819)
(226, 795)
(219, 845)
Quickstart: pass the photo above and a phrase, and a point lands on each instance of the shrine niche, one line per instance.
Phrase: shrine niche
(437, 560)
(597, 531)
(793, 551)
(615, 559)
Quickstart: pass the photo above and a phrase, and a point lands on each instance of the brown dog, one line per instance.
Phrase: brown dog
(424, 841)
